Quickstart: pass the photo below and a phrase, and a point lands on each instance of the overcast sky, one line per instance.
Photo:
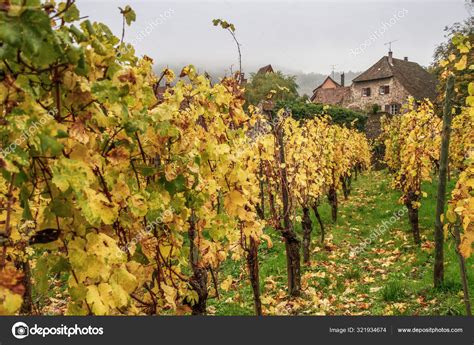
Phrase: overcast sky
(307, 36)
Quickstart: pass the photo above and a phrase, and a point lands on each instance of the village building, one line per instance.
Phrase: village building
(262, 70)
(266, 69)
(385, 86)
(331, 92)
(266, 105)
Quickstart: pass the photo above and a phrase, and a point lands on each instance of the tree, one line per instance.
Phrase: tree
(282, 87)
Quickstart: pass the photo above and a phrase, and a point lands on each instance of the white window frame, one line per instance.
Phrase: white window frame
(394, 109)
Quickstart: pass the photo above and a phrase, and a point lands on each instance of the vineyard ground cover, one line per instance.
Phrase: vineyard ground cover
(391, 277)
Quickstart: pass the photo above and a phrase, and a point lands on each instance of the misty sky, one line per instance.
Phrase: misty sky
(306, 36)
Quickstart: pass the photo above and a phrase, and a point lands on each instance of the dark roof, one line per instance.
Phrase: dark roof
(265, 69)
(414, 78)
(380, 70)
(336, 96)
(325, 80)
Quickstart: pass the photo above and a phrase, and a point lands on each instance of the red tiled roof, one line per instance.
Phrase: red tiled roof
(324, 82)
(335, 96)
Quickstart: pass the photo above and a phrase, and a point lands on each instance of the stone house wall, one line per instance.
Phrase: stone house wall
(397, 94)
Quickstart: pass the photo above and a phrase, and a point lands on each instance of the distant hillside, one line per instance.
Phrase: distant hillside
(307, 82)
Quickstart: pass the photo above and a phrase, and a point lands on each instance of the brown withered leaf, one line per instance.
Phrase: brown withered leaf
(117, 155)
(78, 131)
(128, 77)
(11, 278)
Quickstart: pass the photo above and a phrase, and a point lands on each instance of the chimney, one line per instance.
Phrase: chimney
(390, 57)
(405, 58)
(342, 79)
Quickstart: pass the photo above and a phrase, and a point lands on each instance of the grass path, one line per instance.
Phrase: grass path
(389, 277)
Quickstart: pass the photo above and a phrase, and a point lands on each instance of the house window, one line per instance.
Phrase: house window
(384, 90)
(392, 108)
(366, 91)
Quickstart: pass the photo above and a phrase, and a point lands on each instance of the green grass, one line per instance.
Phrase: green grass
(390, 277)
(394, 291)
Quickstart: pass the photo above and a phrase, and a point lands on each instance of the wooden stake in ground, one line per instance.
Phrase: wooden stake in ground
(462, 267)
(443, 169)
